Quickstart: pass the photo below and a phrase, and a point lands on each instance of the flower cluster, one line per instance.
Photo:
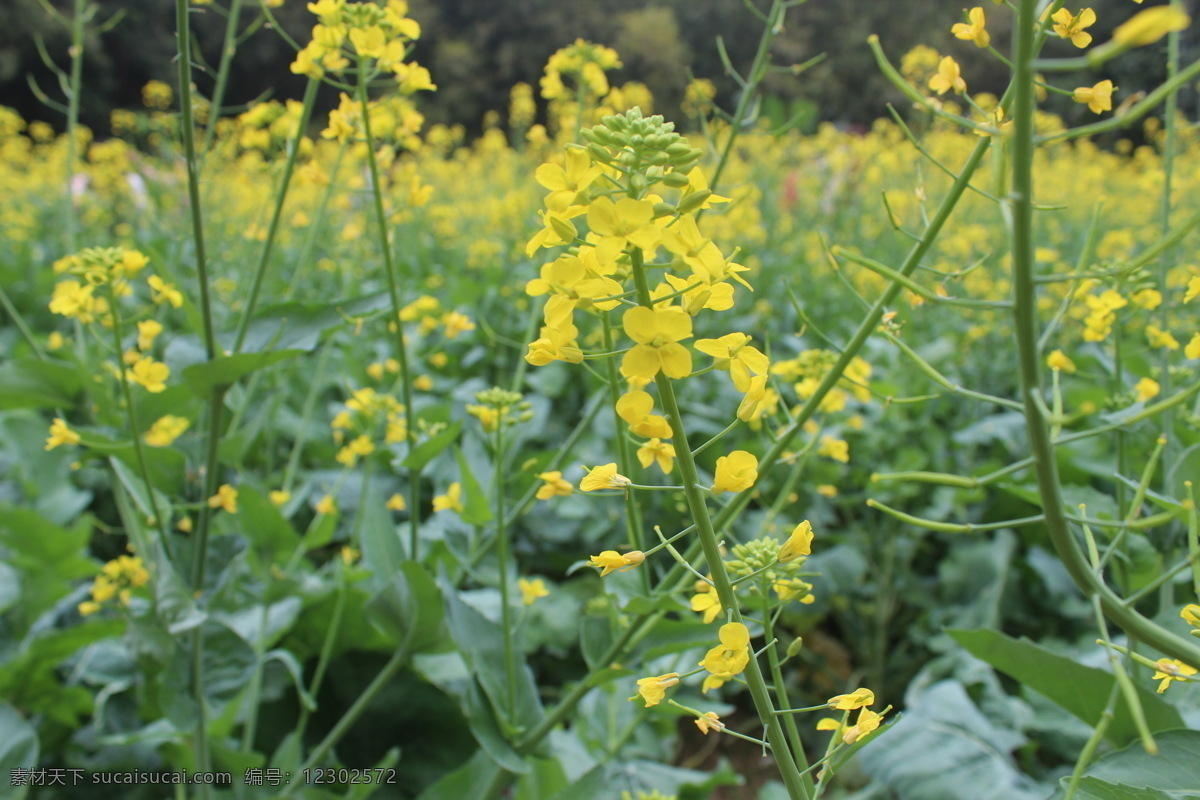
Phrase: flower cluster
(117, 579)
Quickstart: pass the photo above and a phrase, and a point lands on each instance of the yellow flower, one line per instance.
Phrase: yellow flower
(733, 653)
(423, 383)
(709, 604)
(612, 561)
(1191, 615)
(657, 333)
(225, 498)
(279, 496)
(603, 477)
(553, 485)
(531, 590)
(1070, 26)
(1193, 289)
(948, 77)
(148, 331)
(798, 544)
(635, 408)
(709, 721)
(654, 689)
(868, 721)
(326, 505)
(165, 430)
(1146, 389)
(1098, 98)
(565, 184)
(1171, 669)
(150, 374)
(163, 292)
(657, 451)
(1157, 337)
(623, 223)
(488, 416)
(735, 472)
(834, 448)
(396, 503)
(734, 353)
(859, 698)
(975, 31)
(457, 323)
(60, 434)
(827, 490)
(1147, 27)
(451, 500)
(1192, 350)
(1059, 360)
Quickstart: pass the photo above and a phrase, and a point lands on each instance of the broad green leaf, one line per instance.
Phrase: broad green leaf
(1133, 774)
(427, 450)
(946, 749)
(38, 384)
(475, 507)
(409, 609)
(600, 782)
(481, 643)
(211, 376)
(1083, 691)
(469, 780)
(264, 527)
(546, 776)
(483, 725)
(18, 749)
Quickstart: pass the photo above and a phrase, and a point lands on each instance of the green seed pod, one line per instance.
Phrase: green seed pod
(794, 648)
(675, 179)
(693, 201)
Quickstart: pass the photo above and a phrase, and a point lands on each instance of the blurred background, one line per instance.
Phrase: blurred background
(477, 49)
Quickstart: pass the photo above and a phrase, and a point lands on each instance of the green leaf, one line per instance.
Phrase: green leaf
(645, 776)
(1134, 774)
(18, 748)
(427, 450)
(264, 527)
(595, 638)
(409, 609)
(481, 643)
(1083, 691)
(382, 551)
(475, 509)
(469, 780)
(38, 384)
(210, 377)
(946, 749)
(483, 725)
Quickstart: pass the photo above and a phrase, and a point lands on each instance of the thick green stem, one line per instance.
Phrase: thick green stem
(216, 405)
(410, 429)
(1025, 323)
(790, 764)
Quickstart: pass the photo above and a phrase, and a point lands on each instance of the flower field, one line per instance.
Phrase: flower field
(615, 452)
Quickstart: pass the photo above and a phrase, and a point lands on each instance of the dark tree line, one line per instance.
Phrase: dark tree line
(477, 49)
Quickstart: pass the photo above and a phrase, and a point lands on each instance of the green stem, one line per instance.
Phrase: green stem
(228, 48)
(75, 88)
(21, 324)
(410, 429)
(633, 511)
(256, 678)
(364, 701)
(1170, 146)
(790, 764)
(502, 559)
(264, 256)
(781, 693)
(1025, 323)
(331, 635)
(216, 406)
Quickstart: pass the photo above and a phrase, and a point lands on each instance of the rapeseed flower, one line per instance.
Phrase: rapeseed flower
(603, 477)
(1098, 97)
(451, 500)
(225, 499)
(553, 485)
(732, 655)
(165, 430)
(612, 561)
(1171, 669)
(975, 30)
(735, 472)
(653, 689)
(531, 590)
(60, 434)
(1071, 26)
(798, 544)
